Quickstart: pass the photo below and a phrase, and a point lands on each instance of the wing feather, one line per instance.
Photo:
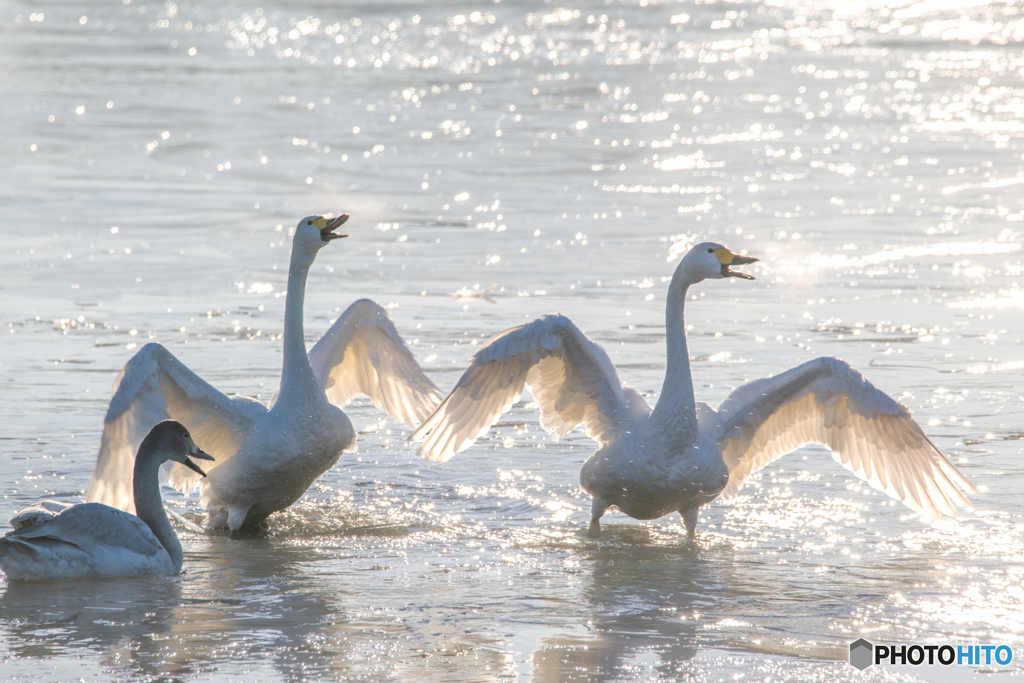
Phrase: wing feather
(362, 353)
(155, 386)
(90, 526)
(38, 513)
(828, 402)
(571, 378)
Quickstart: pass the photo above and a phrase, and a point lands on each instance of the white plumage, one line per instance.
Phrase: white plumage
(681, 455)
(826, 401)
(267, 456)
(571, 377)
(53, 540)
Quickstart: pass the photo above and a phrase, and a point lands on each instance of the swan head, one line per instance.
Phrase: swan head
(313, 233)
(173, 442)
(712, 261)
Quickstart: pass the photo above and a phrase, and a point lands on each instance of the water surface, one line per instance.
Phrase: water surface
(870, 154)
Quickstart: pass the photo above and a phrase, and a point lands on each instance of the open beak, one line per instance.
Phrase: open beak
(198, 453)
(328, 225)
(729, 259)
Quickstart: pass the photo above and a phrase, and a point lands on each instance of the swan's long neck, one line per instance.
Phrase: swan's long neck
(149, 506)
(297, 372)
(675, 415)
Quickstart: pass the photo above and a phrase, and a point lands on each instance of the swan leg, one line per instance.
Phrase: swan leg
(236, 517)
(597, 509)
(247, 524)
(216, 518)
(690, 521)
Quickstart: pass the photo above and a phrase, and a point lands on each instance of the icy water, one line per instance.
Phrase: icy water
(155, 157)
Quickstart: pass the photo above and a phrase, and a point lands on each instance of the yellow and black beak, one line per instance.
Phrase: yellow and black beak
(727, 259)
(328, 225)
(195, 451)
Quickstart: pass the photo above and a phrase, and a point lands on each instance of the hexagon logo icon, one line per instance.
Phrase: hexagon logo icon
(861, 654)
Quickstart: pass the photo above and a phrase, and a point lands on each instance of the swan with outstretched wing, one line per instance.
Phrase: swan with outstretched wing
(680, 455)
(267, 456)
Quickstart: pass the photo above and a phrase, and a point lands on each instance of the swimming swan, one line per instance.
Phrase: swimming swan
(267, 456)
(55, 540)
(683, 454)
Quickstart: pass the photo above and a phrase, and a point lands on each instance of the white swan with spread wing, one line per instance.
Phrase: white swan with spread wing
(267, 456)
(680, 455)
(55, 540)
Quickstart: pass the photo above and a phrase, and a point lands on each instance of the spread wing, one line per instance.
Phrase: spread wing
(571, 378)
(826, 401)
(156, 386)
(363, 353)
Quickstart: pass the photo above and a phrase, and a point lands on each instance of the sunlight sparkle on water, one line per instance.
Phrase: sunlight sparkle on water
(528, 160)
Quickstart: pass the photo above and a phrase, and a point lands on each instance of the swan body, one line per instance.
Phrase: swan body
(681, 455)
(267, 456)
(54, 540)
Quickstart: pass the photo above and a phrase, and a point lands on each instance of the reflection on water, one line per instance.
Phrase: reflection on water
(258, 606)
(645, 601)
(502, 161)
(231, 604)
(116, 618)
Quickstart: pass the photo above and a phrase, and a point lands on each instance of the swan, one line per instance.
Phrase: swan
(55, 540)
(267, 455)
(681, 454)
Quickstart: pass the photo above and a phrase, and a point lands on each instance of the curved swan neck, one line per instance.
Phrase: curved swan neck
(676, 410)
(149, 505)
(296, 370)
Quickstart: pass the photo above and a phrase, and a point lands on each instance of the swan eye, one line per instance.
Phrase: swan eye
(711, 251)
(309, 222)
